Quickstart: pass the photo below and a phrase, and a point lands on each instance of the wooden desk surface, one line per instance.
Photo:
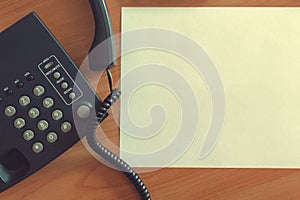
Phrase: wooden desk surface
(77, 175)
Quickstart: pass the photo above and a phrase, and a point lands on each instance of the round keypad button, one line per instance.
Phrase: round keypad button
(19, 123)
(64, 85)
(66, 127)
(57, 115)
(72, 95)
(42, 125)
(48, 102)
(10, 111)
(37, 147)
(56, 75)
(28, 135)
(38, 90)
(33, 113)
(52, 137)
(24, 101)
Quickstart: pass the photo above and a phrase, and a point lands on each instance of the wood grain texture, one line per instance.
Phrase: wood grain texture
(77, 175)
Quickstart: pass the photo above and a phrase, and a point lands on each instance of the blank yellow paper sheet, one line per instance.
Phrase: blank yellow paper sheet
(257, 54)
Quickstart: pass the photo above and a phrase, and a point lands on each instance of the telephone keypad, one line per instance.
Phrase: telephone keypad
(33, 113)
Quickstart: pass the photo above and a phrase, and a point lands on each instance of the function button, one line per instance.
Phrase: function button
(19, 123)
(38, 90)
(84, 112)
(10, 111)
(56, 75)
(57, 115)
(42, 125)
(52, 137)
(28, 135)
(48, 102)
(64, 85)
(72, 95)
(24, 101)
(20, 85)
(66, 127)
(33, 113)
(48, 65)
(37, 147)
(9, 92)
(30, 77)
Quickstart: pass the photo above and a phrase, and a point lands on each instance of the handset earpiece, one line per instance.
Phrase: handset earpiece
(103, 56)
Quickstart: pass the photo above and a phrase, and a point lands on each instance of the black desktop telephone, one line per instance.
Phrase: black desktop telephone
(39, 96)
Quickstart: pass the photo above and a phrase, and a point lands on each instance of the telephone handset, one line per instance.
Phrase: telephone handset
(46, 103)
(104, 55)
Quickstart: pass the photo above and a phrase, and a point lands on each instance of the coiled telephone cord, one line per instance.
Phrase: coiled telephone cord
(113, 159)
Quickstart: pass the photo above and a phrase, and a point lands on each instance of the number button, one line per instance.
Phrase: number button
(42, 125)
(24, 101)
(37, 147)
(52, 137)
(19, 123)
(57, 115)
(33, 113)
(66, 127)
(48, 103)
(39, 90)
(10, 111)
(28, 135)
